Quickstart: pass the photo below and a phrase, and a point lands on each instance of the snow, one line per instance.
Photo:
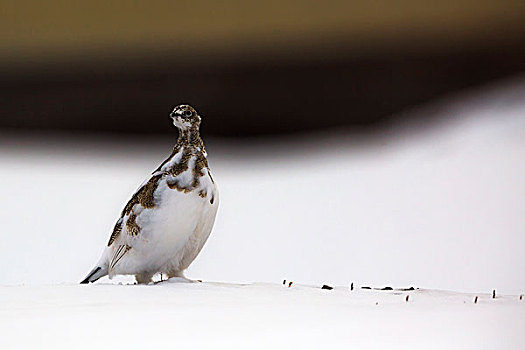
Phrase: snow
(254, 316)
(435, 207)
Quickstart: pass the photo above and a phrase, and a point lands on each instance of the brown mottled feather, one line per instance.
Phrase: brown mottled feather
(132, 226)
(116, 231)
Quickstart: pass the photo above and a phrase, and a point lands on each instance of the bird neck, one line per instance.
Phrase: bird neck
(190, 137)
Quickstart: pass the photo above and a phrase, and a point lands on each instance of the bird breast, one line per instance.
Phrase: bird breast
(182, 211)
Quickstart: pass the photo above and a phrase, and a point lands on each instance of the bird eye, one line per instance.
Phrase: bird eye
(187, 113)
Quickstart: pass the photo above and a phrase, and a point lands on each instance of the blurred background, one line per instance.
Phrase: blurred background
(377, 142)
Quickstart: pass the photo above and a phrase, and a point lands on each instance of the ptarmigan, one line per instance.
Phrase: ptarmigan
(167, 221)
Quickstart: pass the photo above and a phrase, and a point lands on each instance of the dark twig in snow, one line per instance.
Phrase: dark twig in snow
(327, 287)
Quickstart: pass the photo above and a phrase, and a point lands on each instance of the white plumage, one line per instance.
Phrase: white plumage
(167, 221)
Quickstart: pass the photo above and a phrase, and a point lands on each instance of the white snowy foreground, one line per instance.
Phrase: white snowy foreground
(247, 316)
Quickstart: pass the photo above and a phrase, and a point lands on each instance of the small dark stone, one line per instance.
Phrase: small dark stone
(327, 287)
(387, 288)
(407, 289)
(366, 288)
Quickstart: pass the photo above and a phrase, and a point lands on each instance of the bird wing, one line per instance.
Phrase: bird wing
(143, 198)
(116, 232)
(119, 253)
(122, 237)
(121, 249)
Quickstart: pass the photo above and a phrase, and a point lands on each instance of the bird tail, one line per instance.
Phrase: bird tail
(95, 274)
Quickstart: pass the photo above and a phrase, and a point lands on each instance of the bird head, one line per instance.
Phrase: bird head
(185, 117)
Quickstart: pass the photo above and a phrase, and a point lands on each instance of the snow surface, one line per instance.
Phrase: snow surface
(254, 316)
